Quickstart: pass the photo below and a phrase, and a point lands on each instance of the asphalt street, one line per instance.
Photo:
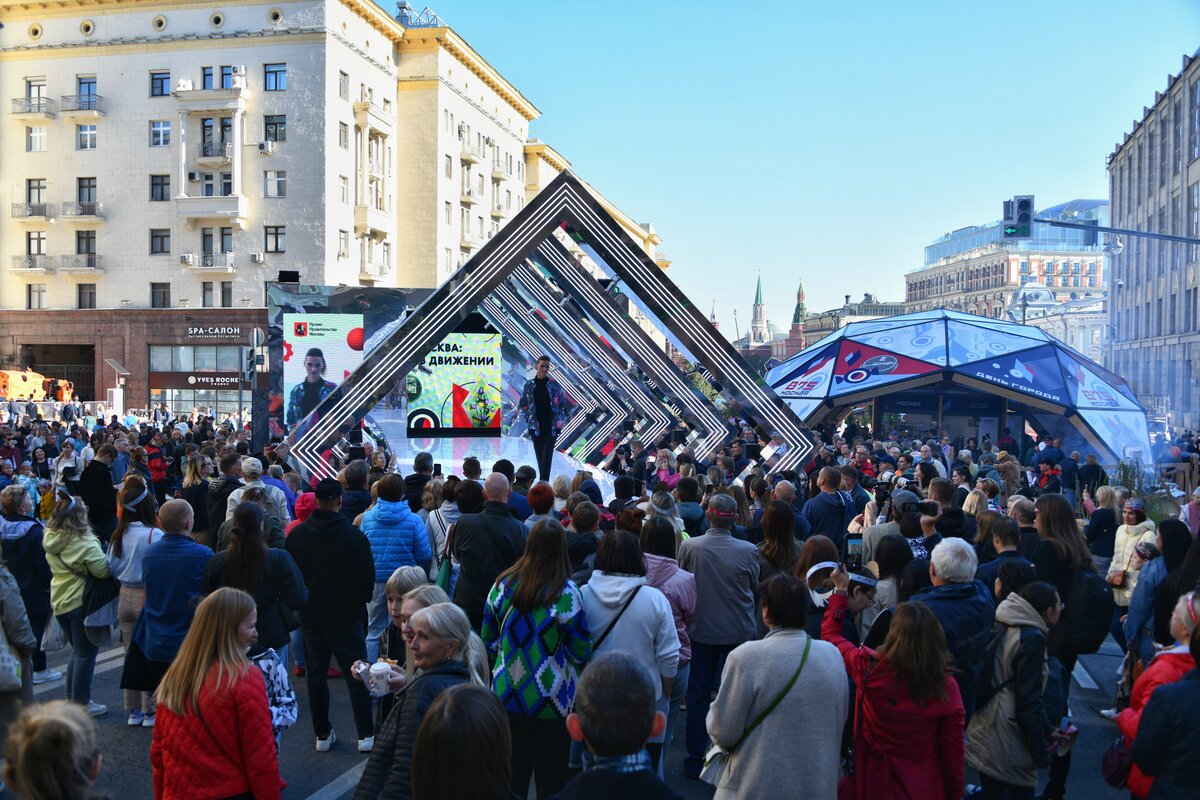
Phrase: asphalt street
(333, 775)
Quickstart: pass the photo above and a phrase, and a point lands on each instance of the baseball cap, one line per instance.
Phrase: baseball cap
(328, 489)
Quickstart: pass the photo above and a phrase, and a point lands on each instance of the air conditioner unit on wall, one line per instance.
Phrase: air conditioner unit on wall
(193, 177)
(184, 85)
(266, 147)
(258, 258)
(186, 258)
(239, 69)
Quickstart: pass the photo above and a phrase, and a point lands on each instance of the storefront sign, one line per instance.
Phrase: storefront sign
(909, 404)
(194, 380)
(967, 406)
(216, 332)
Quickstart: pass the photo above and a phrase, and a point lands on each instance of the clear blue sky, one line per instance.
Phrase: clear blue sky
(829, 142)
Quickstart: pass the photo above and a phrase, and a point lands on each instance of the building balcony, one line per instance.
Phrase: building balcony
(32, 108)
(36, 264)
(83, 212)
(81, 264)
(469, 197)
(373, 272)
(375, 168)
(208, 262)
(470, 155)
(82, 106)
(469, 242)
(501, 172)
(367, 115)
(231, 208)
(32, 212)
(371, 221)
(499, 213)
(193, 101)
(214, 154)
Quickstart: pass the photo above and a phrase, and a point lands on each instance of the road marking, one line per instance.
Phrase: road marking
(341, 784)
(110, 660)
(1083, 677)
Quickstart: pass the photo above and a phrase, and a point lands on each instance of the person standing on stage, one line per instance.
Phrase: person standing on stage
(545, 407)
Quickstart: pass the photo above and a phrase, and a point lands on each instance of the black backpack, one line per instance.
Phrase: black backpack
(986, 690)
(1088, 614)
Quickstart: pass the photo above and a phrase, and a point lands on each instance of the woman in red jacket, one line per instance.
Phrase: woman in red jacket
(1167, 667)
(213, 735)
(908, 737)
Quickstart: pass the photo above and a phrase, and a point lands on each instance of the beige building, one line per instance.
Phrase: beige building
(818, 326)
(1154, 185)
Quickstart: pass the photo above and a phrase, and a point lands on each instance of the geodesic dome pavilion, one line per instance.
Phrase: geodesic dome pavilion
(935, 367)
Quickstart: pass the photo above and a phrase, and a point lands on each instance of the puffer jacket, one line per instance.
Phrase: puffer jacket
(397, 537)
(1008, 738)
(1167, 667)
(70, 558)
(679, 587)
(388, 774)
(21, 538)
(1168, 742)
(1128, 537)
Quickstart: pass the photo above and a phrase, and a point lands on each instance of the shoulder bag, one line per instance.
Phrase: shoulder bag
(613, 624)
(10, 661)
(716, 761)
(445, 573)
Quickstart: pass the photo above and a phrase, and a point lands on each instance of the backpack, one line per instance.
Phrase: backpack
(987, 690)
(1088, 614)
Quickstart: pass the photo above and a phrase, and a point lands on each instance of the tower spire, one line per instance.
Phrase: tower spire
(712, 315)
(759, 333)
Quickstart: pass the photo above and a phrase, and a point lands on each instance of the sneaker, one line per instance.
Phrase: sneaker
(136, 718)
(299, 671)
(96, 709)
(365, 745)
(333, 673)
(46, 676)
(1109, 713)
(148, 721)
(323, 745)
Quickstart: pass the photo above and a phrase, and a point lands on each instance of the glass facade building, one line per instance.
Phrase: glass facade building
(1046, 238)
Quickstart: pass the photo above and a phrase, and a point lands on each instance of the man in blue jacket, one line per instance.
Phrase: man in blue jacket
(830, 512)
(965, 608)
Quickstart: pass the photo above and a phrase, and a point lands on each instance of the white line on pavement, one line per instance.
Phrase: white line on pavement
(113, 662)
(341, 784)
(1083, 677)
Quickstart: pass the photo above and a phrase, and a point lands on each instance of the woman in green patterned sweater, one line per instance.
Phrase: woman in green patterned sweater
(536, 633)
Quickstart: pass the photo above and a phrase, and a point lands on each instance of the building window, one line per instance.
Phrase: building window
(227, 76)
(273, 238)
(206, 77)
(449, 167)
(85, 295)
(35, 140)
(343, 86)
(160, 295)
(160, 241)
(343, 136)
(35, 243)
(206, 294)
(344, 188)
(343, 244)
(160, 133)
(386, 254)
(85, 137)
(447, 213)
(85, 243)
(448, 260)
(275, 183)
(35, 295)
(160, 187)
(226, 294)
(160, 83)
(275, 77)
(275, 128)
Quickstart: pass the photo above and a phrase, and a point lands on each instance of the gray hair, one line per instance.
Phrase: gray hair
(954, 561)
(275, 471)
(450, 622)
(724, 505)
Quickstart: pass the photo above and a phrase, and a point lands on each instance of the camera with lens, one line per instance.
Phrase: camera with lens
(927, 508)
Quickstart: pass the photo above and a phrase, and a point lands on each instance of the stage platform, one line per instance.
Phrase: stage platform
(450, 451)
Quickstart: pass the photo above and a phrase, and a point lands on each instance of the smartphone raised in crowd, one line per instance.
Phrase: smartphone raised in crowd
(437, 470)
(854, 545)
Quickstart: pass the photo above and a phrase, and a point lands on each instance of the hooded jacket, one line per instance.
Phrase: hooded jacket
(829, 514)
(1167, 667)
(335, 560)
(21, 538)
(306, 504)
(645, 631)
(679, 587)
(1008, 738)
(966, 611)
(694, 521)
(219, 489)
(70, 558)
(1168, 742)
(397, 537)
(1128, 537)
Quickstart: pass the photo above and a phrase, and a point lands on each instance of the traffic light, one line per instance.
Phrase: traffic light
(1018, 217)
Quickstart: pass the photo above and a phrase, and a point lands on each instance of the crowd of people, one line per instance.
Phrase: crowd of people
(905, 615)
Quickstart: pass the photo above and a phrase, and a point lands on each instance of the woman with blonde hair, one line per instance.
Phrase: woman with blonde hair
(73, 551)
(136, 530)
(1101, 530)
(664, 470)
(196, 475)
(214, 726)
(562, 490)
(662, 504)
(441, 645)
(52, 753)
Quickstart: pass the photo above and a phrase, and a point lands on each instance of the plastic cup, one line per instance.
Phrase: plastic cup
(379, 678)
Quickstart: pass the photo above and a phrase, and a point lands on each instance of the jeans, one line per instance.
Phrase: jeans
(543, 450)
(540, 748)
(345, 642)
(1060, 766)
(678, 692)
(129, 607)
(377, 620)
(998, 790)
(37, 623)
(1070, 495)
(297, 647)
(83, 656)
(702, 680)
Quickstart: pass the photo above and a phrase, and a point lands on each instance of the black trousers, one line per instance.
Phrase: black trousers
(347, 642)
(541, 748)
(543, 449)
